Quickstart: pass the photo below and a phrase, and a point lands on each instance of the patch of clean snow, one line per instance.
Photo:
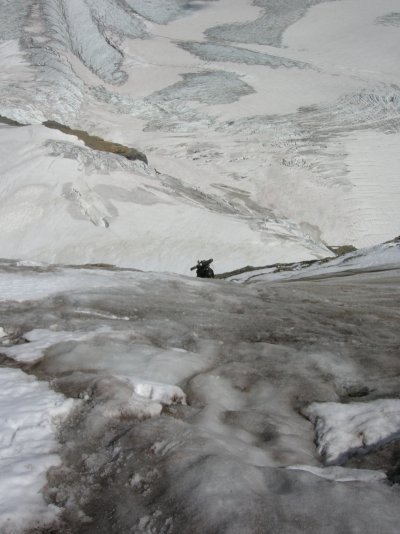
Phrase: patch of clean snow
(343, 430)
(165, 394)
(29, 414)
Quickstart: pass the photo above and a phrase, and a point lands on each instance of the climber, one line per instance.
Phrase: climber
(203, 269)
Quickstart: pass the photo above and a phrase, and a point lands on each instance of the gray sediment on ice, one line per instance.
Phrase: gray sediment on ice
(164, 11)
(220, 52)
(391, 19)
(269, 27)
(97, 143)
(249, 358)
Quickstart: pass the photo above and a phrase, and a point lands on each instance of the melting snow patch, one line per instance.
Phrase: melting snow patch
(41, 339)
(343, 430)
(165, 394)
(29, 412)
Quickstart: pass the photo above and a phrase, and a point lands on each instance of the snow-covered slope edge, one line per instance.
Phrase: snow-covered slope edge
(381, 257)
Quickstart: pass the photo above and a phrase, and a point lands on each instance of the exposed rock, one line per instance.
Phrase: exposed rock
(97, 143)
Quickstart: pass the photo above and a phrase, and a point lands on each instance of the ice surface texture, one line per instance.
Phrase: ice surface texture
(192, 394)
(391, 19)
(86, 29)
(220, 52)
(13, 17)
(163, 11)
(80, 26)
(268, 28)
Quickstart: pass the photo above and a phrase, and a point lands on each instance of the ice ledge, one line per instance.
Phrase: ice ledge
(344, 430)
(341, 474)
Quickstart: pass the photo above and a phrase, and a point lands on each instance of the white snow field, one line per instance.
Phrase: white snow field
(271, 129)
(135, 399)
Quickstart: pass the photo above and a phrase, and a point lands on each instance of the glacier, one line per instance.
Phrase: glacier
(195, 401)
(135, 397)
(254, 111)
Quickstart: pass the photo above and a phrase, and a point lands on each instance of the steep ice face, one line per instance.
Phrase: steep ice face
(193, 396)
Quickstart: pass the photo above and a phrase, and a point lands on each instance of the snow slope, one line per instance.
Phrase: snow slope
(274, 126)
(66, 203)
(383, 257)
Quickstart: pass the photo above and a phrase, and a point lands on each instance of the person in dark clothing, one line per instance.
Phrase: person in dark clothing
(203, 269)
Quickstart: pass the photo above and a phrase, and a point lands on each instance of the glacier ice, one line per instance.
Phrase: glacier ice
(268, 28)
(193, 396)
(271, 130)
